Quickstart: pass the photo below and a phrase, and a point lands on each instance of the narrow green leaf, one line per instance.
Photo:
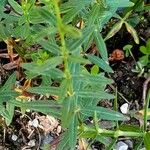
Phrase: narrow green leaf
(103, 113)
(92, 94)
(16, 6)
(78, 59)
(94, 79)
(49, 46)
(94, 70)
(9, 84)
(67, 112)
(77, 43)
(133, 128)
(72, 31)
(10, 109)
(4, 112)
(45, 90)
(48, 16)
(63, 145)
(73, 132)
(147, 140)
(114, 30)
(94, 14)
(100, 62)
(7, 95)
(43, 106)
(41, 68)
(133, 32)
(100, 45)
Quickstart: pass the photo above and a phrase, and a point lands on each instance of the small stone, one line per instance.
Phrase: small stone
(58, 129)
(129, 143)
(31, 143)
(121, 146)
(35, 123)
(14, 137)
(124, 108)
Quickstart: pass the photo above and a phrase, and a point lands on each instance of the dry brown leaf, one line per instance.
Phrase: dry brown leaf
(117, 55)
(11, 65)
(5, 55)
(10, 45)
(83, 144)
(47, 123)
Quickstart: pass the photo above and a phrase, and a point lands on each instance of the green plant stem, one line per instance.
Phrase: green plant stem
(64, 49)
(135, 60)
(146, 110)
(109, 133)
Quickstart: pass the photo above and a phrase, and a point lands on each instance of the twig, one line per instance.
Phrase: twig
(145, 85)
(113, 88)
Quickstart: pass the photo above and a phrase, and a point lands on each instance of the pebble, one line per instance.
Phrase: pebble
(121, 146)
(14, 137)
(124, 108)
(129, 143)
(31, 143)
(34, 123)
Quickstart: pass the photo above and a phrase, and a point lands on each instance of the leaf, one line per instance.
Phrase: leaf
(4, 112)
(9, 84)
(93, 79)
(7, 95)
(144, 60)
(10, 109)
(100, 62)
(49, 46)
(63, 145)
(93, 14)
(133, 32)
(132, 128)
(78, 59)
(3, 34)
(100, 45)
(114, 30)
(125, 3)
(77, 43)
(92, 94)
(72, 8)
(67, 111)
(73, 132)
(41, 68)
(72, 31)
(103, 113)
(147, 140)
(16, 6)
(48, 16)
(143, 49)
(44, 90)
(94, 70)
(148, 45)
(43, 106)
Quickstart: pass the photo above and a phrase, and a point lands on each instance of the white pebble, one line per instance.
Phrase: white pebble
(35, 123)
(14, 137)
(31, 143)
(121, 146)
(124, 108)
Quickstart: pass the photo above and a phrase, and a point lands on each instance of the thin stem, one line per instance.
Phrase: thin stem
(64, 49)
(135, 60)
(146, 110)
(110, 133)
